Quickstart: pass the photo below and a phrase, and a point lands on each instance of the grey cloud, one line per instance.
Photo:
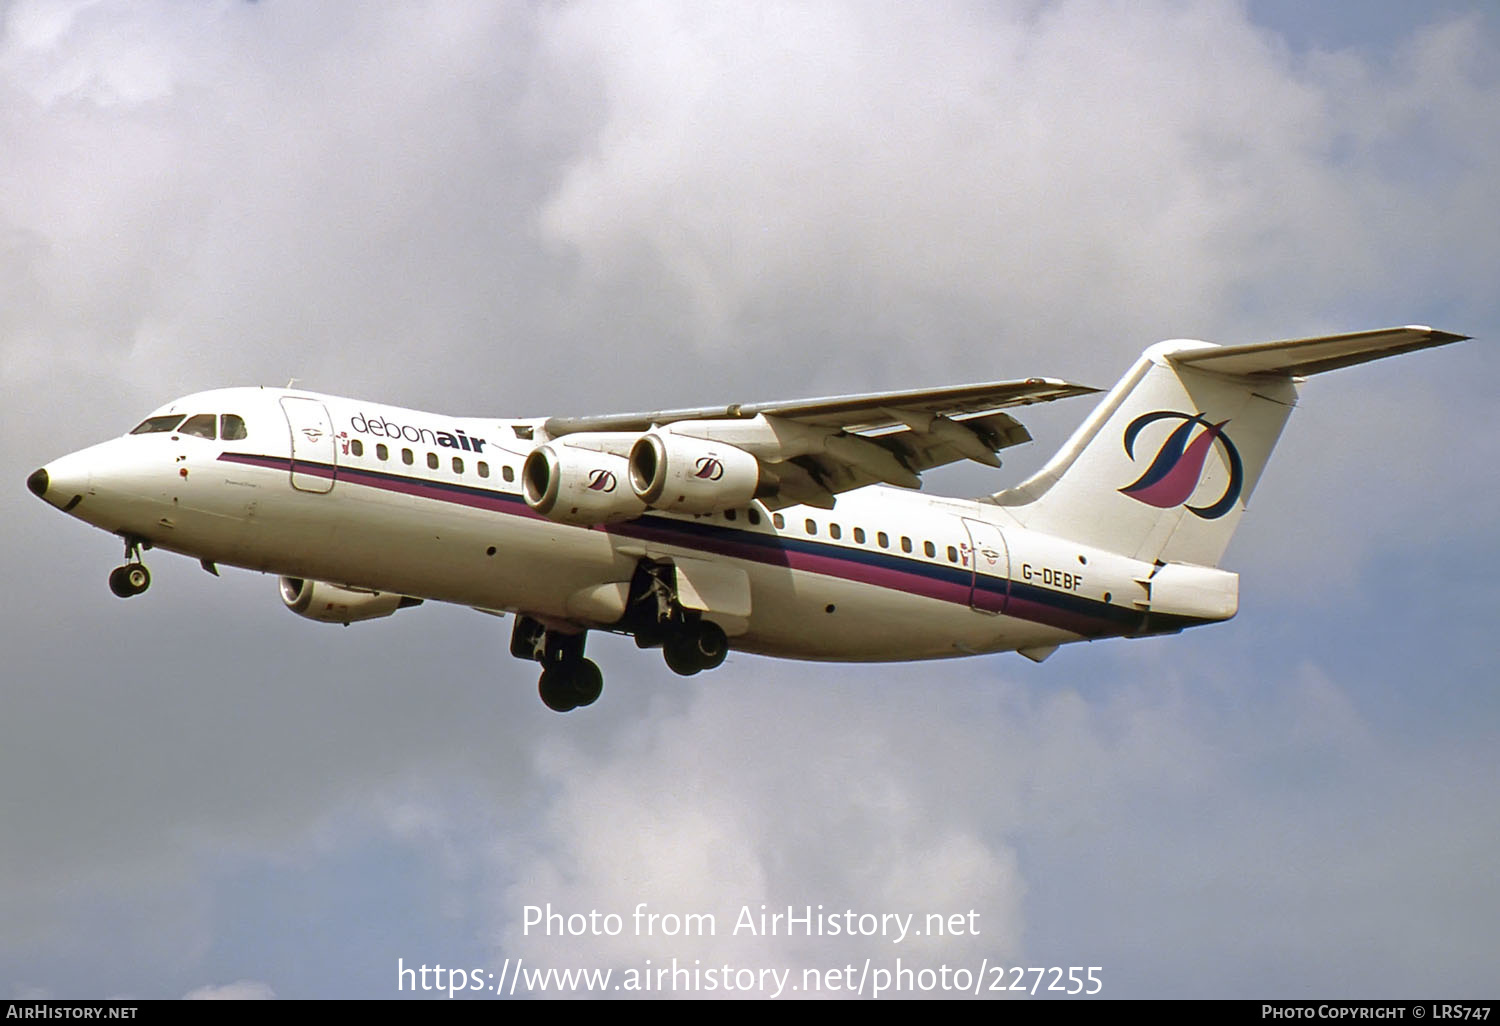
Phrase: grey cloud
(599, 207)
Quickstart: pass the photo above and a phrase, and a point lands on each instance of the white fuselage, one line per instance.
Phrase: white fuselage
(430, 506)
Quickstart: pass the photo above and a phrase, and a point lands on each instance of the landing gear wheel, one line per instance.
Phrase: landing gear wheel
(681, 655)
(130, 579)
(698, 646)
(138, 577)
(570, 685)
(568, 680)
(712, 645)
(556, 689)
(588, 683)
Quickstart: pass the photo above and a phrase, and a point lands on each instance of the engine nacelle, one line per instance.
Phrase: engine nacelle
(574, 485)
(691, 475)
(329, 603)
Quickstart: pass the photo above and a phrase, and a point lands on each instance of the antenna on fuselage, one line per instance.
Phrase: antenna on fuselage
(290, 382)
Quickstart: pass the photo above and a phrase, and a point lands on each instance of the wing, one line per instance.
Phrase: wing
(846, 442)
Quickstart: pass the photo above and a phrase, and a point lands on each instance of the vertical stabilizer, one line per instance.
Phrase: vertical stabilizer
(1164, 466)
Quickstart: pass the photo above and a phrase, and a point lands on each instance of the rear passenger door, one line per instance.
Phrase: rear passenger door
(989, 559)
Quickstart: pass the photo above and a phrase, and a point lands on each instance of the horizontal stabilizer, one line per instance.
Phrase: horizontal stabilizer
(1300, 357)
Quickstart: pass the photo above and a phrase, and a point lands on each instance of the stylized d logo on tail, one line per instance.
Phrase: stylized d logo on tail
(1178, 467)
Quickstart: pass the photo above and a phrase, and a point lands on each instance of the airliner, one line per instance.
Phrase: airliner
(792, 529)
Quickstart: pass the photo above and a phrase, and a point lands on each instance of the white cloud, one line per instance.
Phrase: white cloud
(1061, 178)
(733, 805)
(239, 990)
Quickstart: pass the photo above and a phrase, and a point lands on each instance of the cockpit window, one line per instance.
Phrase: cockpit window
(156, 425)
(200, 425)
(231, 427)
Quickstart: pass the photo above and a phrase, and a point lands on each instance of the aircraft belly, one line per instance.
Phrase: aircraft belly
(866, 623)
(464, 556)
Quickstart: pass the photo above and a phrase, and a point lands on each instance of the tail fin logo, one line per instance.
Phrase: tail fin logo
(1177, 470)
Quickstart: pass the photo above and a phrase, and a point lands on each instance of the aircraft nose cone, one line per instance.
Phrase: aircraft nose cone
(38, 482)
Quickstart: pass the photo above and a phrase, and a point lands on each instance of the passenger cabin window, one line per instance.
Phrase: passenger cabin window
(458, 465)
(730, 514)
(952, 554)
(905, 543)
(509, 473)
(778, 520)
(929, 548)
(357, 447)
(407, 457)
(432, 461)
(200, 425)
(882, 539)
(754, 515)
(859, 535)
(156, 425)
(381, 452)
(812, 526)
(484, 469)
(835, 532)
(231, 427)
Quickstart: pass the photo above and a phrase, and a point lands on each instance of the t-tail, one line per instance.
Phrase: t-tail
(1163, 468)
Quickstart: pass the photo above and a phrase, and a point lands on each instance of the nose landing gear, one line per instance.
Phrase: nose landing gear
(132, 578)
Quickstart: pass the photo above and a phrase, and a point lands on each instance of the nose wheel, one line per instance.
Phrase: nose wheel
(132, 578)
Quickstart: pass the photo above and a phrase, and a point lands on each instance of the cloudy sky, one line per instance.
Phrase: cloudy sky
(567, 209)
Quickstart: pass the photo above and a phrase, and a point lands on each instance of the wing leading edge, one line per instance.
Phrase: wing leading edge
(853, 413)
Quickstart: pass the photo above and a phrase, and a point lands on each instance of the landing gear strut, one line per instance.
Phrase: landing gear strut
(132, 578)
(569, 681)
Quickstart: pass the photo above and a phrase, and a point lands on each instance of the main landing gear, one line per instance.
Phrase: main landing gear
(568, 679)
(689, 643)
(693, 646)
(132, 578)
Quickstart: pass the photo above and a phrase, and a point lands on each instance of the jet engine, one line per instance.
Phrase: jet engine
(683, 474)
(330, 603)
(574, 485)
